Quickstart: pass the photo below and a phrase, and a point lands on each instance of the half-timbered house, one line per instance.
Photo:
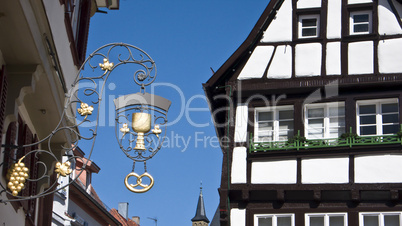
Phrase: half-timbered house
(308, 113)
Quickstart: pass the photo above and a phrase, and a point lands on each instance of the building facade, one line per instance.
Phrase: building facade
(42, 45)
(308, 113)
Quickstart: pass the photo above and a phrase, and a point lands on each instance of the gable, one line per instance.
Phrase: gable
(279, 50)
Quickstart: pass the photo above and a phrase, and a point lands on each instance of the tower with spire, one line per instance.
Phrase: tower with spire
(200, 218)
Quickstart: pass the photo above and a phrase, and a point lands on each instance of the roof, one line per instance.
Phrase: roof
(200, 214)
(121, 219)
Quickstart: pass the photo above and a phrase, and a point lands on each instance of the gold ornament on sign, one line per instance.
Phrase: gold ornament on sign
(145, 187)
(63, 169)
(141, 125)
(85, 109)
(157, 130)
(106, 66)
(125, 128)
(17, 176)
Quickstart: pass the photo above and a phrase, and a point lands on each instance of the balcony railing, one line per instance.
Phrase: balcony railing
(300, 144)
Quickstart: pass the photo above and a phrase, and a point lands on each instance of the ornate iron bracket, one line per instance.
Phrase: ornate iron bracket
(80, 120)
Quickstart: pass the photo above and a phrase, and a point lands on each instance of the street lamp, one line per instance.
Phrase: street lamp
(140, 125)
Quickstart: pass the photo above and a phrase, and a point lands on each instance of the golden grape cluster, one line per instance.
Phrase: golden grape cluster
(16, 176)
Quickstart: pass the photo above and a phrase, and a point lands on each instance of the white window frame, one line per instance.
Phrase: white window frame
(377, 103)
(380, 216)
(352, 23)
(326, 217)
(327, 117)
(302, 17)
(275, 126)
(274, 218)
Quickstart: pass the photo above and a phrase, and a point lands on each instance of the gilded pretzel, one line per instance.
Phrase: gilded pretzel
(145, 187)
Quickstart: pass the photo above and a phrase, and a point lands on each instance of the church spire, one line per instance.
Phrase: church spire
(200, 215)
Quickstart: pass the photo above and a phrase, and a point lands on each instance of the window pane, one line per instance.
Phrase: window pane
(311, 22)
(370, 119)
(284, 221)
(361, 18)
(368, 130)
(315, 113)
(316, 123)
(306, 32)
(265, 126)
(286, 114)
(335, 122)
(392, 118)
(265, 221)
(390, 129)
(316, 221)
(367, 109)
(336, 111)
(336, 132)
(388, 108)
(391, 220)
(285, 125)
(264, 116)
(370, 220)
(336, 221)
(361, 28)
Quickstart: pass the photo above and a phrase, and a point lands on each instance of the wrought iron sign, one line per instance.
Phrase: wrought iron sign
(140, 125)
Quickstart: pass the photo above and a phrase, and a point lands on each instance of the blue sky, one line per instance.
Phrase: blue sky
(185, 39)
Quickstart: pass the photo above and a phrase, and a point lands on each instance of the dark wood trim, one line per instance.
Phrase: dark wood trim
(265, 76)
(351, 169)
(323, 29)
(397, 17)
(299, 170)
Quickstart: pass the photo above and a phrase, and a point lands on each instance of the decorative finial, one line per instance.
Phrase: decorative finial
(201, 187)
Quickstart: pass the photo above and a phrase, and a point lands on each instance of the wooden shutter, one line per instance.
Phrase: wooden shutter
(3, 98)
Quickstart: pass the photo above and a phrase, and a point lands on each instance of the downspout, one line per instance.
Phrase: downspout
(227, 148)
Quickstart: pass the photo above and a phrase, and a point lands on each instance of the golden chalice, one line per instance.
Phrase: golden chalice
(141, 125)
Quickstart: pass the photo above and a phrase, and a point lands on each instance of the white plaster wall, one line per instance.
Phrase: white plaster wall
(55, 14)
(387, 22)
(9, 216)
(280, 28)
(325, 170)
(274, 172)
(302, 4)
(241, 123)
(239, 166)
(398, 7)
(257, 63)
(308, 59)
(334, 19)
(390, 56)
(333, 58)
(237, 217)
(281, 66)
(360, 58)
(359, 1)
(378, 169)
(74, 208)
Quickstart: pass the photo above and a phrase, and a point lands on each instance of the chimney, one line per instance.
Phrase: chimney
(123, 209)
(136, 220)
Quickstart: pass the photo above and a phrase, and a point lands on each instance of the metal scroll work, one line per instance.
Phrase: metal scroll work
(140, 127)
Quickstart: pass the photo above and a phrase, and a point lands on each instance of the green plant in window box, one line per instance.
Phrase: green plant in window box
(295, 138)
(348, 135)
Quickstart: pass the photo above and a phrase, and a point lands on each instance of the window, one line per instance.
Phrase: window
(360, 22)
(324, 120)
(380, 219)
(274, 220)
(378, 117)
(274, 123)
(326, 219)
(309, 26)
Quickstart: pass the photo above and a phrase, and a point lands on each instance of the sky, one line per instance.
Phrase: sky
(186, 38)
